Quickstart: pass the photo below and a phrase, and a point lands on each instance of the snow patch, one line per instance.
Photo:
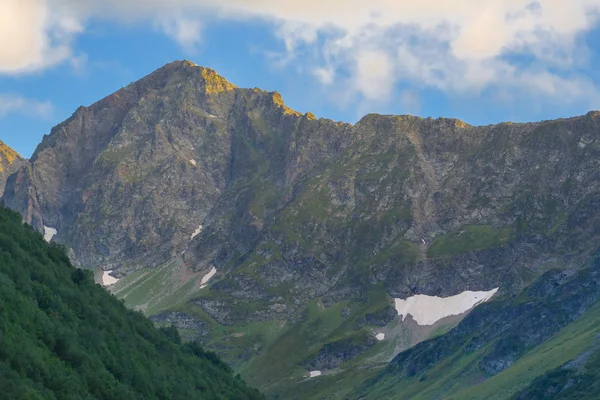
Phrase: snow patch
(211, 116)
(314, 374)
(206, 278)
(427, 310)
(107, 279)
(380, 336)
(193, 162)
(49, 233)
(197, 231)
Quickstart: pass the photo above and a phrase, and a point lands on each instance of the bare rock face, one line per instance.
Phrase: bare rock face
(128, 180)
(290, 208)
(10, 161)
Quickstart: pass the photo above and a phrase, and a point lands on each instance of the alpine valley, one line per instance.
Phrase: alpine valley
(396, 258)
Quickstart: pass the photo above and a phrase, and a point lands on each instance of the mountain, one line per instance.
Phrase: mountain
(306, 251)
(10, 161)
(65, 337)
(128, 180)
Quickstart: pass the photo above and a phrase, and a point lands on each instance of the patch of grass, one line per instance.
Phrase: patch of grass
(406, 253)
(155, 290)
(113, 157)
(470, 238)
(267, 199)
(279, 367)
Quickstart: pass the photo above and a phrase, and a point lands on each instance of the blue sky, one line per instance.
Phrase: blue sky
(506, 61)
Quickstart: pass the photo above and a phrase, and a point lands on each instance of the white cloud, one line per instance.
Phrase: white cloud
(186, 31)
(326, 75)
(11, 103)
(34, 35)
(374, 75)
(460, 47)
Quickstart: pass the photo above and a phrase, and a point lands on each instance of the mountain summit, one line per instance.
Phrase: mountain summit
(10, 161)
(298, 246)
(127, 180)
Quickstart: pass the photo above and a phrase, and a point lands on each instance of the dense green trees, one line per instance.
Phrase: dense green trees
(64, 337)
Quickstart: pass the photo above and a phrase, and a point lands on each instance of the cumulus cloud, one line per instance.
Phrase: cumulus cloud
(11, 103)
(456, 46)
(186, 31)
(34, 36)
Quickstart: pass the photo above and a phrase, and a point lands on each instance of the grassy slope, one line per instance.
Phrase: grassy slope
(270, 354)
(454, 377)
(564, 346)
(157, 289)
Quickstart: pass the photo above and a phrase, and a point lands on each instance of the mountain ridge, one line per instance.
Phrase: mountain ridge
(247, 224)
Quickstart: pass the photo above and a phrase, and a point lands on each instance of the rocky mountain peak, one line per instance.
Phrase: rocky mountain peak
(10, 161)
(169, 144)
(8, 157)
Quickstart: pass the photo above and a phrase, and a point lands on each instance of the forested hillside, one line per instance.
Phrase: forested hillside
(64, 337)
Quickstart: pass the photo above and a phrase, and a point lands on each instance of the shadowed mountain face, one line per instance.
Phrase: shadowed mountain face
(183, 172)
(10, 162)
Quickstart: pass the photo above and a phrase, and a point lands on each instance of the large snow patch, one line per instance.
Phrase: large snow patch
(427, 310)
(207, 277)
(107, 279)
(197, 231)
(49, 233)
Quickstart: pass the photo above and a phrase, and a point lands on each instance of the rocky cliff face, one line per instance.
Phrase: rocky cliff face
(128, 180)
(426, 206)
(10, 161)
(299, 214)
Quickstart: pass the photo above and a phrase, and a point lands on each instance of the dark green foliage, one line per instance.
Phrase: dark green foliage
(64, 337)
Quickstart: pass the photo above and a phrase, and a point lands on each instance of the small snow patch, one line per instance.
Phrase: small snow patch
(427, 310)
(380, 336)
(314, 374)
(49, 233)
(107, 279)
(193, 162)
(197, 231)
(207, 277)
